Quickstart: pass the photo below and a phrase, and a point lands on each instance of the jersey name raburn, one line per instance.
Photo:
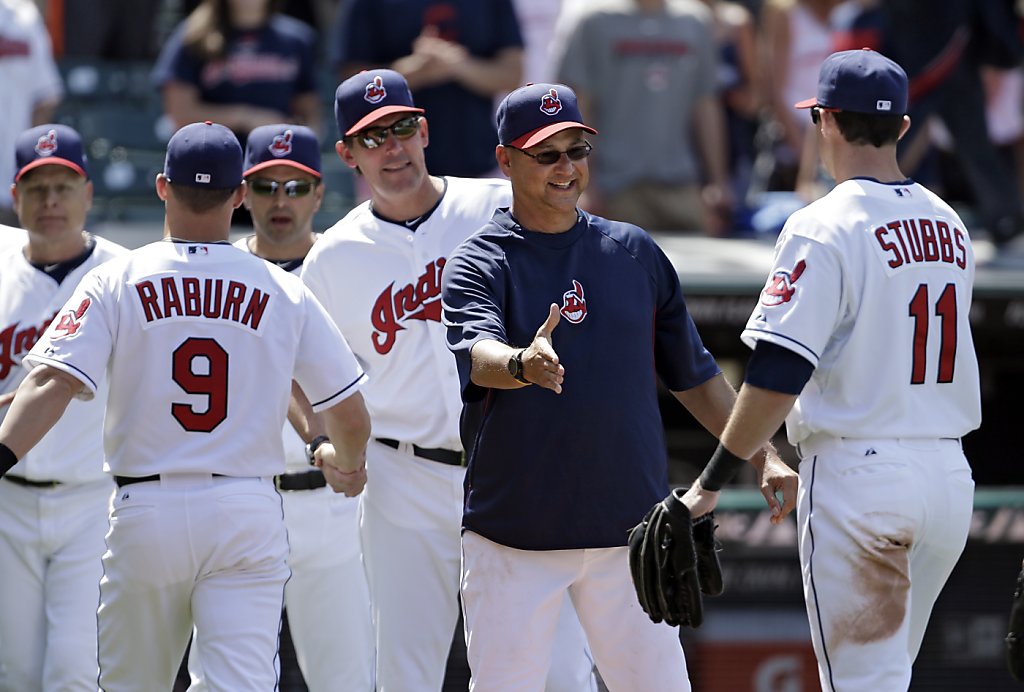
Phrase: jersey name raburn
(188, 296)
(420, 300)
(912, 241)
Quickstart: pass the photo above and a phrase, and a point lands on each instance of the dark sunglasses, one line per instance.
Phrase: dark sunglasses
(292, 188)
(547, 158)
(816, 113)
(373, 137)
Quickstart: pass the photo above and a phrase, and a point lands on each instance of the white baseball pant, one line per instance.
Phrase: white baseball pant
(51, 542)
(193, 549)
(512, 600)
(411, 524)
(881, 525)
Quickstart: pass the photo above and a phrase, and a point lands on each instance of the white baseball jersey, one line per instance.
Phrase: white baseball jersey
(386, 299)
(872, 284)
(29, 301)
(29, 76)
(188, 331)
(11, 236)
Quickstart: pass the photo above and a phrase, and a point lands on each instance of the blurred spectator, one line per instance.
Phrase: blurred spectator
(738, 87)
(795, 39)
(537, 20)
(31, 86)
(312, 12)
(942, 44)
(645, 74)
(457, 56)
(108, 29)
(240, 63)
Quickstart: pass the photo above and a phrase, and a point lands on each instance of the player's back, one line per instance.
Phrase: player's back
(205, 339)
(899, 359)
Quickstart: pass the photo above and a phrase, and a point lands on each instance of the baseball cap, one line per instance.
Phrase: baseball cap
(860, 81)
(282, 145)
(49, 144)
(532, 113)
(369, 95)
(204, 155)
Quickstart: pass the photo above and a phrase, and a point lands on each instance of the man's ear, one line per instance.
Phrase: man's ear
(503, 159)
(345, 153)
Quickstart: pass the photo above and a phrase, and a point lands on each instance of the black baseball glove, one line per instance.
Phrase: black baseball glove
(672, 559)
(1015, 639)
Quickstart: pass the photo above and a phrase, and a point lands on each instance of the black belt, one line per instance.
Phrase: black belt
(305, 480)
(442, 456)
(132, 480)
(29, 483)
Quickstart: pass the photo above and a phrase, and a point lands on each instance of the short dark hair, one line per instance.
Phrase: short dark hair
(199, 200)
(876, 130)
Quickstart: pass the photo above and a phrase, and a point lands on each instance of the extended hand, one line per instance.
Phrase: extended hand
(699, 500)
(775, 476)
(341, 481)
(540, 362)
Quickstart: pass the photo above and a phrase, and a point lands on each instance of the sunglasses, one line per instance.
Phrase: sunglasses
(816, 113)
(292, 188)
(547, 158)
(373, 137)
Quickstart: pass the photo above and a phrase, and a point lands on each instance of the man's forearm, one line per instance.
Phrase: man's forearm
(348, 427)
(38, 405)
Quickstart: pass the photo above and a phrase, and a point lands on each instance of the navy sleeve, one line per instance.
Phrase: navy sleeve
(680, 358)
(777, 368)
(174, 62)
(472, 298)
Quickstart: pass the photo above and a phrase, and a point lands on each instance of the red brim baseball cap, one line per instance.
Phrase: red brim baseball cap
(368, 96)
(51, 144)
(532, 113)
(296, 146)
(860, 81)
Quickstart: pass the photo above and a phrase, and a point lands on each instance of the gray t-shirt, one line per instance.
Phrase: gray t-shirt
(643, 74)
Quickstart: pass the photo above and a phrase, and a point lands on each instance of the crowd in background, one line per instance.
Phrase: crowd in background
(692, 98)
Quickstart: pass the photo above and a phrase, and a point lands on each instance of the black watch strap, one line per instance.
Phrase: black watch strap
(515, 367)
(314, 445)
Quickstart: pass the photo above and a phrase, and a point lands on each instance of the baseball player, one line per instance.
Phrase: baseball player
(53, 503)
(200, 343)
(565, 437)
(862, 344)
(327, 598)
(377, 272)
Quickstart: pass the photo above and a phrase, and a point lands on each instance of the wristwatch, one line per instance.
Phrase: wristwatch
(313, 446)
(515, 367)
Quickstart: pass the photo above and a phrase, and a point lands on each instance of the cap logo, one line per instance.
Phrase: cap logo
(883, 105)
(550, 104)
(375, 91)
(47, 144)
(203, 178)
(282, 144)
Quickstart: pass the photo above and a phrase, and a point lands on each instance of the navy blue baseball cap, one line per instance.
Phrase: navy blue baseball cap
(368, 96)
(204, 155)
(532, 113)
(860, 81)
(282, 145)
(49, 144)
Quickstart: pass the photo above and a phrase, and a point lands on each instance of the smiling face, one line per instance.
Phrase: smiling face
(281, 220)
(394, 169)
(544, 196)
(52, 201)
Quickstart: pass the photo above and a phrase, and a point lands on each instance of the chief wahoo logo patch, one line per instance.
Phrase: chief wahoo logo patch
(574, 304)
(780, 287)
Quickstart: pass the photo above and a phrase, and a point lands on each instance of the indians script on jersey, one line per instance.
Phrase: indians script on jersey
(910, 241)
(189, 296)
(416, 301)
(18, 339)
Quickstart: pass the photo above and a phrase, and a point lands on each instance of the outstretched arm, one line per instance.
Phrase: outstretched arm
(40, 402)
(343, 459)
(540, 362)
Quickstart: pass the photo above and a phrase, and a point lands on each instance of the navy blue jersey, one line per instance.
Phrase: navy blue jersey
(572, 470)
(265, 67)
(462, 130)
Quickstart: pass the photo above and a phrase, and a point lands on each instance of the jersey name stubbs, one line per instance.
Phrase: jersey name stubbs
(14, 341)
(189, 296)
(911, 241)
(416, 301)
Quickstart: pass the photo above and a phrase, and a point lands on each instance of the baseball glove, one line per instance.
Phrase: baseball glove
(1015, 639)
(672, 560)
